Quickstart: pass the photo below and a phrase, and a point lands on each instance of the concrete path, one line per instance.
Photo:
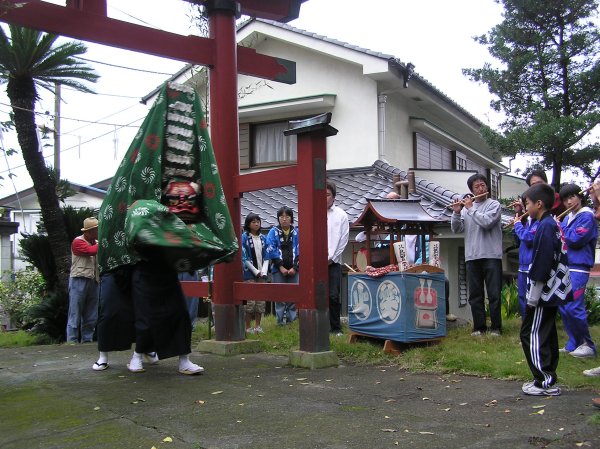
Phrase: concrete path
(50, 398)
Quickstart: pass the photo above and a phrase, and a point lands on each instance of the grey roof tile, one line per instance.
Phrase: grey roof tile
(354, 186)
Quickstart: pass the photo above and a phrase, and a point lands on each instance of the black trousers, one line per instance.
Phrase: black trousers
(162, 321)
(488, 272)
(540, 344)
(144, 304)
(335, 304)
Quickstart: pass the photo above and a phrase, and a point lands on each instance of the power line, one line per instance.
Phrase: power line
(124, 67)
(103, 94)
(128, 125)
(69, 118)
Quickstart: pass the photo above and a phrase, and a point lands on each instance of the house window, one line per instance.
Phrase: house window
(432, 155)
(460, 161)
(494, 183)
(271, 146)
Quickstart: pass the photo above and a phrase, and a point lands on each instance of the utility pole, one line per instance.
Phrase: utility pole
(57, 100)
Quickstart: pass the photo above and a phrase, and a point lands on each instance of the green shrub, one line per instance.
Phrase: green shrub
(592, 305)
(50, 316)
(510, 300)
(18, 295)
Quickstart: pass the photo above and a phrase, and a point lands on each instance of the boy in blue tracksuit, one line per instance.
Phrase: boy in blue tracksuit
(581, 233)
(548, 287)
(524, 234)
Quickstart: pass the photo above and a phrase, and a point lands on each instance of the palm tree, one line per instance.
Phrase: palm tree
(29, 60)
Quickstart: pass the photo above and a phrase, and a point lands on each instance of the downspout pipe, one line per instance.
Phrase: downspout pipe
(381, 101)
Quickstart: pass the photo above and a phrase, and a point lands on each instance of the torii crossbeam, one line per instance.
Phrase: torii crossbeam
(87, 20)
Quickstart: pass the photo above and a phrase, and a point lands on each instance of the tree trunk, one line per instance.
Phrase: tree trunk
(22, 97)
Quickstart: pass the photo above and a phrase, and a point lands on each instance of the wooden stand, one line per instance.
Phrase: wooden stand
(391, 346)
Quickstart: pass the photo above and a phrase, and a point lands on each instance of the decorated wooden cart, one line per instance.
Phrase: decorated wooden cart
(391, 297)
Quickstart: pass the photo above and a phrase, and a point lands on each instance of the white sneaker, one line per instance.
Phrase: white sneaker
(583, 351)
(564, 351)
(258, 330)
(592, 372)
(476, 334)
(530, 389)
(250, 330)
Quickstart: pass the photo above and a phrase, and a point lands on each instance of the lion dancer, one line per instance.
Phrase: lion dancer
(164, 213)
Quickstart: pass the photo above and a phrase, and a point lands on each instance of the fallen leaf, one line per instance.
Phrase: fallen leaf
(301, 378)
(328, 380)
(446, 409)
(304, 383)
(390, 400)
(507, 411)
(463, 403)
(492, 403)
(377, 383)
(200, 402)
(241, 404)
(538, 406)
(402, 378)
(153, 447)
(259, 395)
(382, 370)
(217, 392)
(386, 417)
(427, 433)
(168, 440)
(389, 430)
(238, 421)
(426, 399)
(134, 402)
(96, 408)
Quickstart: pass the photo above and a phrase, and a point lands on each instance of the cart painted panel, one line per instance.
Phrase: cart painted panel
(402, 307)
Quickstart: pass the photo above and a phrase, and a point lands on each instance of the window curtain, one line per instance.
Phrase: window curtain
(271, 145)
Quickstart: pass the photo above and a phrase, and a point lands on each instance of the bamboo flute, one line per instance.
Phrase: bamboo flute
(456, 203)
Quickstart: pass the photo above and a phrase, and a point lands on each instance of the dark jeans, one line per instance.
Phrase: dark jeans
(335, 304)
(488, 271)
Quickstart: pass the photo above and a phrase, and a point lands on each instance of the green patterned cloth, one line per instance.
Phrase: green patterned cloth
(171, 145)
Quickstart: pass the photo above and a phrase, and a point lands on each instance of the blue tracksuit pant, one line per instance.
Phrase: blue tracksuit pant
(574, 315)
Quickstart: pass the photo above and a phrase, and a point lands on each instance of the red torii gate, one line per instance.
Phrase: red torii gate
(87, 20)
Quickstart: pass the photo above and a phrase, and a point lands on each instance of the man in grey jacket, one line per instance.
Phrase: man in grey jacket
(479, 218)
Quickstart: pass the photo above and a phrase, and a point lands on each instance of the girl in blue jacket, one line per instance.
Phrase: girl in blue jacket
(581, 233)
(255, 266)
(283, 252)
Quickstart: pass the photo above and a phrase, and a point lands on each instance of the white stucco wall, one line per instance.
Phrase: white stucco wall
(512, 187)
(355, 103)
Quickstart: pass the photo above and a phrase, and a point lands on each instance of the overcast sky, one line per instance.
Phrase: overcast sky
(435, 35)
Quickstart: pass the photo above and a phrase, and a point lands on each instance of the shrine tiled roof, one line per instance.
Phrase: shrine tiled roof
(354, 187)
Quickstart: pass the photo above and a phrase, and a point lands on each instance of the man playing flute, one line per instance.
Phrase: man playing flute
(479, 218)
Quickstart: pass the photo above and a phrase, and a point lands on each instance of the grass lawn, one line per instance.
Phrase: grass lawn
(497, 357)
